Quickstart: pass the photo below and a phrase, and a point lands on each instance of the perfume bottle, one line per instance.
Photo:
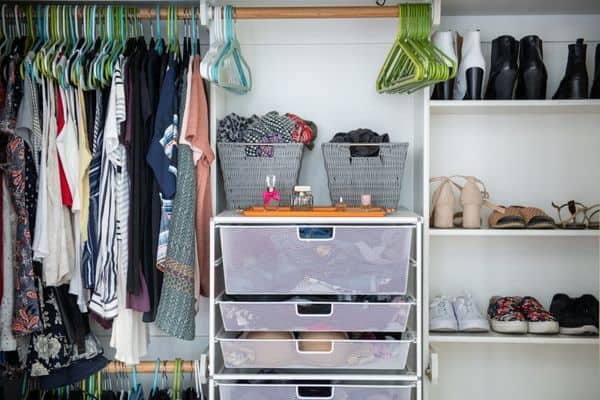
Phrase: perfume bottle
(271, 196)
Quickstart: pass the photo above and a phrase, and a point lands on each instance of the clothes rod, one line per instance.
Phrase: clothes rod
(147, 367)
(185, 13)
(315, 12)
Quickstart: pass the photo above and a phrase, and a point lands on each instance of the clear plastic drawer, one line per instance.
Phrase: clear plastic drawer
(316, 260)
(302, 315)
(315, 392)
(240, 352)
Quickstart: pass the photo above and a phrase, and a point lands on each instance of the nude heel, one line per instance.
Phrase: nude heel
(471, 199)
(442, 203)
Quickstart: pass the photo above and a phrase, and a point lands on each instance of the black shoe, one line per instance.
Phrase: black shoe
(575, 83)
(595, 93)
(576, 316)
(504, 68)
(531, 84)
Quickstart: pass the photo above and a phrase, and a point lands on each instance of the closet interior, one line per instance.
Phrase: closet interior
(327, 335)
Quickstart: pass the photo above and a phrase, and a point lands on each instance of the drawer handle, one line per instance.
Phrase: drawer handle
(314, 310)
(315, 392)
(300, 351)
(315, 234)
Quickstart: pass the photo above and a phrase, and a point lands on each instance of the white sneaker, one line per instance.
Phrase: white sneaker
(441, 315)
(469, 316)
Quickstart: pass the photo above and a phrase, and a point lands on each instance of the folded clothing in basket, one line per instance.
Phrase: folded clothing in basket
(361, 136)
(270, 128)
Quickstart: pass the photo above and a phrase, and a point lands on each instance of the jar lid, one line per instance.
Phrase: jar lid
(301, 188)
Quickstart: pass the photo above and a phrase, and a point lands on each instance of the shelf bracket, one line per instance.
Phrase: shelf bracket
(432, 372)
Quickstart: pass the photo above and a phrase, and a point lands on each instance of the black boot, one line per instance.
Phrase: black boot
(504, 68)
(595, 93)
(443, 90)
(575, 83)
(531, 84)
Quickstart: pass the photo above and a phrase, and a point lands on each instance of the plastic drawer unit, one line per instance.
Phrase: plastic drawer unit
(239, 352)
(316, 260)
(301, 315)
(310, 392)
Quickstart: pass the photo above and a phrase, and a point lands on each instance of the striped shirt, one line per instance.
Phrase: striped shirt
(113, 205)
(90, 251)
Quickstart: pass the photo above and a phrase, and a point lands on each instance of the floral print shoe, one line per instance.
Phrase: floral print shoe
(505, 315)
(538, 319)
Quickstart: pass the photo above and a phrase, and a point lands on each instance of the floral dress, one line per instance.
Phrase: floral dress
(49, 349)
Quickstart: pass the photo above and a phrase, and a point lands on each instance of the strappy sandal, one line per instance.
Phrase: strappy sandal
(510, 219)
(577, 220)
(592, 216)
(535, 218)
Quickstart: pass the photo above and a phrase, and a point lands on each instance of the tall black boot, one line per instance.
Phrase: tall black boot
(533, 77)
(504, 68)
(595, 93)
(575, 83)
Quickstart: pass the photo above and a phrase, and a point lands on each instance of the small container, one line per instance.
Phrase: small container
(365, 201)
(302, 199)
(340, 205)
(271, 196)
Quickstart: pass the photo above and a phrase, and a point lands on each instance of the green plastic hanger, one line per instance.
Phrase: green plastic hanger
(413, 62)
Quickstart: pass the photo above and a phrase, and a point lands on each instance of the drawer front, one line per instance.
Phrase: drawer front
(321, 392)
(342, 354)
(302, 317)
(316, 260)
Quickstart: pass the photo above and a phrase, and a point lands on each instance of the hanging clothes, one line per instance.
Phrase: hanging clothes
(176, 309)
(198, 136)
(9, 231)
(162, 154)
(113, 182)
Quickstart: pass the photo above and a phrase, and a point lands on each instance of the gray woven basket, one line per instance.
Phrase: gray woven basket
(244, 176)
(379, 176)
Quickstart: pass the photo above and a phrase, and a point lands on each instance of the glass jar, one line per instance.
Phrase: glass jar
(302, 199)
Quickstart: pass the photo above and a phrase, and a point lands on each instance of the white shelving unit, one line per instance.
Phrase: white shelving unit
(525, 153)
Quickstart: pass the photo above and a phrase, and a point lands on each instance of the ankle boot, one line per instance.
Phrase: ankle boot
(533, 77)
(503, 69)
(595, 93)
(575, 83)
(444, 41)
(469, 80)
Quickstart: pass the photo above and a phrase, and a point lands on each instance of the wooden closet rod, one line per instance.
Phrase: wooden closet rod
(147, 367)
(145, 13)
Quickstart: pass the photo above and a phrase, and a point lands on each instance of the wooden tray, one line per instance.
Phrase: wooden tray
(315, 212)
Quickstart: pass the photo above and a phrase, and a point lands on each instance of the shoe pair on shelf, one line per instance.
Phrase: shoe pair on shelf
(576, 316)
(525, 81)
(473, 196)
(519, 217)
(515, 314)
(466, 52)
(460, 314)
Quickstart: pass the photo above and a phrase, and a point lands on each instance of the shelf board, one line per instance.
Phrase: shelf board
(512, 107)
(515, 232)
(493, 337)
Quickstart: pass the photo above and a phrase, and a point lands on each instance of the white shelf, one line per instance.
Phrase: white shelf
(493, 337)
(516, 232)
(512, 107)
